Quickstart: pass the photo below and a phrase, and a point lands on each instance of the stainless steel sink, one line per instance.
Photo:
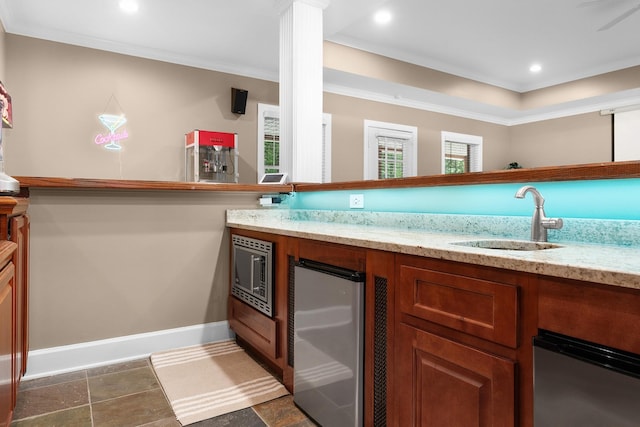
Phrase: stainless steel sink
(509, 245)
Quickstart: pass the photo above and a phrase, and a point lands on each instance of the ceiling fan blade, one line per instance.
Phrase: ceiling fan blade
(616, 21)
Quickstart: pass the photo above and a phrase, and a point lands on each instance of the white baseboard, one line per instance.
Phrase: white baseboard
(68, 358)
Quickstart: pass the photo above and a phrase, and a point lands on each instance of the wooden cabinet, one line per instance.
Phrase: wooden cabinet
(446, 343)
(482, 308)
(348, 257)
(379, 338)
(253, 327)
(265, 336)
(445, 383)
(606, 315)
(272, 338)
(7, 316)
(19, 234)
(378, 363)
(14, 296)
(457, 335)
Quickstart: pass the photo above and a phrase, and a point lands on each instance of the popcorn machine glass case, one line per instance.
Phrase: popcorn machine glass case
(211, 156)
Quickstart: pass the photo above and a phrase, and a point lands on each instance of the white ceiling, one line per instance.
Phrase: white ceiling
(492, 41)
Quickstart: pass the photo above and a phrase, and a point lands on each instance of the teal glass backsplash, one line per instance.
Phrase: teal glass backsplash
(597, 199)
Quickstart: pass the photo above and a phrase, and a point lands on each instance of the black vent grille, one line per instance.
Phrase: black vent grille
(380, 353)
(290, 311)
(248, 242)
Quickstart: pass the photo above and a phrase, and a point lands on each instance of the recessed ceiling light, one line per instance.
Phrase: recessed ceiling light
(129, 6)
(535, 68)
(382, 17)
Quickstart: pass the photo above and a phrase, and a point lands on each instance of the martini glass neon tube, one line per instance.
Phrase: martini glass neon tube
(112, 123)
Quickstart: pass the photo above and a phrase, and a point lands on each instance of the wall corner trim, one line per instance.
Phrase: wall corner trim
(57, 360)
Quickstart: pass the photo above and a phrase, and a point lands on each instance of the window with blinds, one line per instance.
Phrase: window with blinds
(271, 150)
(269, 147)
(390, 157)
(456, 157)
(390, 150)
(461, 153)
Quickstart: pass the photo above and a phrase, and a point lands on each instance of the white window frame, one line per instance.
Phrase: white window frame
(264, 111)
(474, 141)
(268, 110)
(373, 129)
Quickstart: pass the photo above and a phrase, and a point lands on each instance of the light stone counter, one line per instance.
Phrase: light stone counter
(433, 236)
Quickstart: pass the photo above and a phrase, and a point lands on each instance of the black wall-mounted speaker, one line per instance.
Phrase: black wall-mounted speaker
(239, 100)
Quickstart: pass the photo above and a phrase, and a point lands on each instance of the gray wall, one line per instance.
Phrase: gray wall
(584, 138)
(113, 263)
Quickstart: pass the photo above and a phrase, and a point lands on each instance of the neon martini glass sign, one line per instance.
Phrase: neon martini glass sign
(112, 123)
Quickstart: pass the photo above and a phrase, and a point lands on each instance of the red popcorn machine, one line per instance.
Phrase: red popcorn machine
(211, 156)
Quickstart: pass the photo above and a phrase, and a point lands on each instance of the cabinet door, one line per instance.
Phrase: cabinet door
(6, 343)
(443, 383)
(19, 234)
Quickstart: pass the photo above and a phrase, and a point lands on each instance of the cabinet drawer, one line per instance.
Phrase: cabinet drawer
(479, 307)
(254, 327)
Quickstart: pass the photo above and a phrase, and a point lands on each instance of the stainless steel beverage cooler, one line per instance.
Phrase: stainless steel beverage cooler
(584, 384)
(211, 156)
(328, 343)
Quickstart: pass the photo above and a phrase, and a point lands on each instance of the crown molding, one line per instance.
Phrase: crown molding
(359, 87)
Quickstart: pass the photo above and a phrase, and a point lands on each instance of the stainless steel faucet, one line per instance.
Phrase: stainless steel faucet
(539, 222)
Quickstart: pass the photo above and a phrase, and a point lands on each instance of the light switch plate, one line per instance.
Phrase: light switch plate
(356, 201)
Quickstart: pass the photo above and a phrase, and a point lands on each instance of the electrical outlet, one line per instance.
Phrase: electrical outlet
(356, 201)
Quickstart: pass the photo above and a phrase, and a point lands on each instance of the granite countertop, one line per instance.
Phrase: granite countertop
(608, 264)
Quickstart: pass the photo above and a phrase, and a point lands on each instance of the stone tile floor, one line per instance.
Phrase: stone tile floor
(128, 395)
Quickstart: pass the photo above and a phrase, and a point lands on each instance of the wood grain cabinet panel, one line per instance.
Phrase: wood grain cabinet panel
(254, 330)
(254, 326)
(343, 256)
(479, 307)
(456, 343)
(445, 383)
(14, 314)
(7, 285)
(603, 314)
(19, 226)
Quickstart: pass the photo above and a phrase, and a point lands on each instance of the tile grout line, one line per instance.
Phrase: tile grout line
(260, 416)
(86, 377)
(55, 411)
(159, 387)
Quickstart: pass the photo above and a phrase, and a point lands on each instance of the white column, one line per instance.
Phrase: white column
(301, 86)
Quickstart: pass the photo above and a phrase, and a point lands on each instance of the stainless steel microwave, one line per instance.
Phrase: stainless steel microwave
(252, 277)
